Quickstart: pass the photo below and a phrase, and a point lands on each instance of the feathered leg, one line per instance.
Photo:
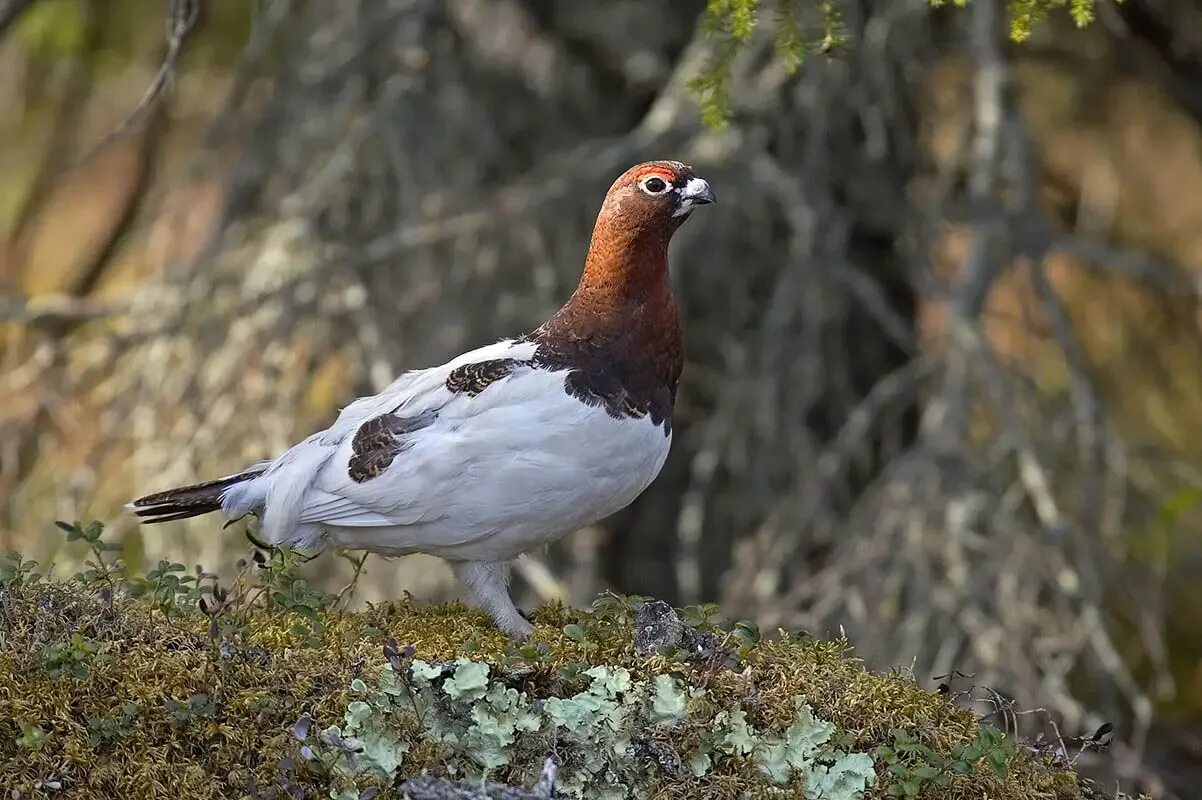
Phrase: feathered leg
(488, 584)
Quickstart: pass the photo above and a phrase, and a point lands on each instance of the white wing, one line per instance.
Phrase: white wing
(284, 487)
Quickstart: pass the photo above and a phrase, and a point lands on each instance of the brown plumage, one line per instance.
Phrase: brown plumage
(620, 330)
(381, 439)
(474, 378)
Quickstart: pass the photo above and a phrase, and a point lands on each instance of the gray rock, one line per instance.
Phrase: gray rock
(657, 625)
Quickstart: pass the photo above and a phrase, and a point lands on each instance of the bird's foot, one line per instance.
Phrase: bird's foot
(519, 630)
(526, 629)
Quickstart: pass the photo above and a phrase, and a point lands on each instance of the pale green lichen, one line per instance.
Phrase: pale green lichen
(423, 673)
(600, 732)
(497, 721)
(469, 683)
(597, 725)
(777, 757)
(735, 737)
(667, 700)
(845, 777)
(376, 748)
(466, 712)
(700, 763)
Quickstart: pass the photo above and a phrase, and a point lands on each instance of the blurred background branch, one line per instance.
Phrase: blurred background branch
(183, 16)
(10, 11)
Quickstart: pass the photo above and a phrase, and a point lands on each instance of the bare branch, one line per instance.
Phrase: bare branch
(183, 18)
(55, 308)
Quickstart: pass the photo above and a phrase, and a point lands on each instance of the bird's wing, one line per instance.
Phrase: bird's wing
(419, 390)
(426, 430)
(286, 487)
(370, 433)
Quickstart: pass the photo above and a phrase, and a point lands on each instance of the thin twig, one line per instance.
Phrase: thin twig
(347, 593)
(56, 308)
(184, 14)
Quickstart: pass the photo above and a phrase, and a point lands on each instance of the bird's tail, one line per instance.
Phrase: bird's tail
(187, 501)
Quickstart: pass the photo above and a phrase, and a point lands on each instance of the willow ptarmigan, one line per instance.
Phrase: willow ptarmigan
(504, 448)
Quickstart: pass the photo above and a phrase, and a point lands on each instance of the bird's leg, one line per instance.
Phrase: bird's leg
(488, 584)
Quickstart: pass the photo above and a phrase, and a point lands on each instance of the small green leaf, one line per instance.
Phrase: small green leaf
(32, 736)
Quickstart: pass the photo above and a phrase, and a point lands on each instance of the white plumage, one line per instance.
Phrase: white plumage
(493, 476)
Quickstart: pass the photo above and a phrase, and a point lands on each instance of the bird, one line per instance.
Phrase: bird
(507, 447)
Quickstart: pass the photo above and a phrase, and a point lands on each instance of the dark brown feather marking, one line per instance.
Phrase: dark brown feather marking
(380, 440)
(472, 379)
(188, 501)
(625, 383)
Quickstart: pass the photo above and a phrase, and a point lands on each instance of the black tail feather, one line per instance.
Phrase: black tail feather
(186, 501)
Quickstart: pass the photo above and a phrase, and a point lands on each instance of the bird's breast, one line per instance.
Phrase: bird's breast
(524, 464)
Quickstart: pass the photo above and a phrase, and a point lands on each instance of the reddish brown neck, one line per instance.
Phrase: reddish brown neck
(625, 284)
(619, 333)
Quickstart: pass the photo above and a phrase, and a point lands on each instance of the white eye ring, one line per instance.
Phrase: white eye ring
(644, 184)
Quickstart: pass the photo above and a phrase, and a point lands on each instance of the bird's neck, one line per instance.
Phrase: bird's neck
(625, 283)
(620, 327)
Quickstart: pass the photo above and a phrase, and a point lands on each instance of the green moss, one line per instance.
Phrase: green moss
(264, 688)
(161, 704)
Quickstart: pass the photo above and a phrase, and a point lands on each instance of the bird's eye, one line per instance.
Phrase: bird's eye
(655, 186)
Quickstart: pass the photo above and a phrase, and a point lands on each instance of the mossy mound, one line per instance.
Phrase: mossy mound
(103, 694)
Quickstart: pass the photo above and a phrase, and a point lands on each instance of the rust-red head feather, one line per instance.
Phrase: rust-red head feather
(628, 254)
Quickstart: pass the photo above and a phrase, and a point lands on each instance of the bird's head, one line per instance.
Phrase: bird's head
(655, 196)
(628, 252)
